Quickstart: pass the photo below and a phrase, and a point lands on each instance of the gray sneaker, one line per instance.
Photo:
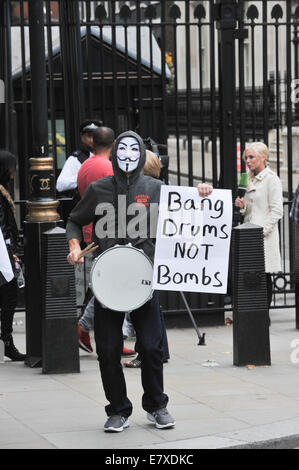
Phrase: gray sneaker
(161, 418)
(116, 423)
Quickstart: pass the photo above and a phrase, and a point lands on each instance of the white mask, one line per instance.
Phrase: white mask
(128, 154)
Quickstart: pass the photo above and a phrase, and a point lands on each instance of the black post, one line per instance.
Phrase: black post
(42, 205)
(2, 74)
(71, 53)
(250, 302)
(226, 16)
(38, 78)
(6, 95)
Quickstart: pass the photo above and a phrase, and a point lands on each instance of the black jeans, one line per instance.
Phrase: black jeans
(109, 343)
(164, 340)
(8, 303)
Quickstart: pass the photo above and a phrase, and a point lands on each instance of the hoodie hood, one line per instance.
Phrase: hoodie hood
(120, 175)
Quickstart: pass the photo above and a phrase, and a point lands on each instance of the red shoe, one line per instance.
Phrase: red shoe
(128, 352)
(84, 340)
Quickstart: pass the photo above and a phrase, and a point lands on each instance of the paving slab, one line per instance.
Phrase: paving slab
(216, 405)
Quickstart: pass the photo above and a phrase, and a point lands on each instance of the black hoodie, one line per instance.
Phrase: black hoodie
(102, 197)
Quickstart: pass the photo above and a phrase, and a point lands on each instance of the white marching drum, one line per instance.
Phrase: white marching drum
(121, 278)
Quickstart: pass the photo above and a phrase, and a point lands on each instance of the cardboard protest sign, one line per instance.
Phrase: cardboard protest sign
(6, 272)
(193, 240)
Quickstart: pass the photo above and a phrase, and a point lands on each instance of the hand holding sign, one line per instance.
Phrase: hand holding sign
(193, 239)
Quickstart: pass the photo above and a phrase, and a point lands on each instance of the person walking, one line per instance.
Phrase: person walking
(8, 225)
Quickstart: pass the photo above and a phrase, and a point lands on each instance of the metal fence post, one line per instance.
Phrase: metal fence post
(6, 99)
(42, 205)
(71, 56)
(226, 16)
(227, 13)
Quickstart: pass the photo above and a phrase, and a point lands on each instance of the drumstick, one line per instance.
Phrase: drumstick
(89, 249)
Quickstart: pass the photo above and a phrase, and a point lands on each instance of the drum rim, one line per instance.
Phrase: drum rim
(121, 246)
(102, 254)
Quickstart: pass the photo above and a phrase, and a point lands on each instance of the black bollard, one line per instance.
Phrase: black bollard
(60, 351)
(250, 303)
(33, 289)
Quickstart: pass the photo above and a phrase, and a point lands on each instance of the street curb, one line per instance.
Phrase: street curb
(283, 434)
(289, 442)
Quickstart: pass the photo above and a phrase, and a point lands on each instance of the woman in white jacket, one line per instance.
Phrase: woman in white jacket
(263, 205)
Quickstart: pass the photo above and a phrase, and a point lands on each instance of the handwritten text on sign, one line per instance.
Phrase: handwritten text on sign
(193, 239)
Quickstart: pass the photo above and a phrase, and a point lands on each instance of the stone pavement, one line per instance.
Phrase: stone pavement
(216, 404)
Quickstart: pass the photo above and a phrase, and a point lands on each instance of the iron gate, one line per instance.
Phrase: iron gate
(202, 78)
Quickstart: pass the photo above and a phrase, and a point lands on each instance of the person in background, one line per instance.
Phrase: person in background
(67, 180)
(66, 184)
(263, 205)
(8, 225)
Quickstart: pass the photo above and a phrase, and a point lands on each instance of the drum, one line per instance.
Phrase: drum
(121, 278)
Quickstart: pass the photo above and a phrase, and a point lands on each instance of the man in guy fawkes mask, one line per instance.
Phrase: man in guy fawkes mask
(127, 186)
(128, 154)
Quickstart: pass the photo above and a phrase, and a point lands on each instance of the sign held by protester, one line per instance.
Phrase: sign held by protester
(193, 240)
(6, 272)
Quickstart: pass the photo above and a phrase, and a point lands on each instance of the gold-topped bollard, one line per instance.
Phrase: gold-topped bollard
(42, 216)
(42, 206)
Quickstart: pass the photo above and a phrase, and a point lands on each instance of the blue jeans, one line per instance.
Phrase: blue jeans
(87, 319)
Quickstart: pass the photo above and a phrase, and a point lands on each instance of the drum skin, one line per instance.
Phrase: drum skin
(121, 278)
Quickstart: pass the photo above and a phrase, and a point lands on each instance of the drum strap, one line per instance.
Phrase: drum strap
(115, 204)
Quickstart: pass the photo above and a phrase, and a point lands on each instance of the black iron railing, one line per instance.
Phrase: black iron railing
(202, 78)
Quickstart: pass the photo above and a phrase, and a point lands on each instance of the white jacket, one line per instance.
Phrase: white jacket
(67, 180)
(264, 207)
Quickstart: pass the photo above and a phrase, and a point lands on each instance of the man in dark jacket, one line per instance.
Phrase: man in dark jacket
(118, 192)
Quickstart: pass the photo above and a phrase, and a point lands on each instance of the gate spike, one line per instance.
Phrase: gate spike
(150, 12)
(252, 13)
(125, 12)
(199, 12)
(100, 13)
(175, 12)
(276, 12)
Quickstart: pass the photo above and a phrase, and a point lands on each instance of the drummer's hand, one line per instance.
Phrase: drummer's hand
(73, 257)
(75, 250)
(239, 202)
(204, 189)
